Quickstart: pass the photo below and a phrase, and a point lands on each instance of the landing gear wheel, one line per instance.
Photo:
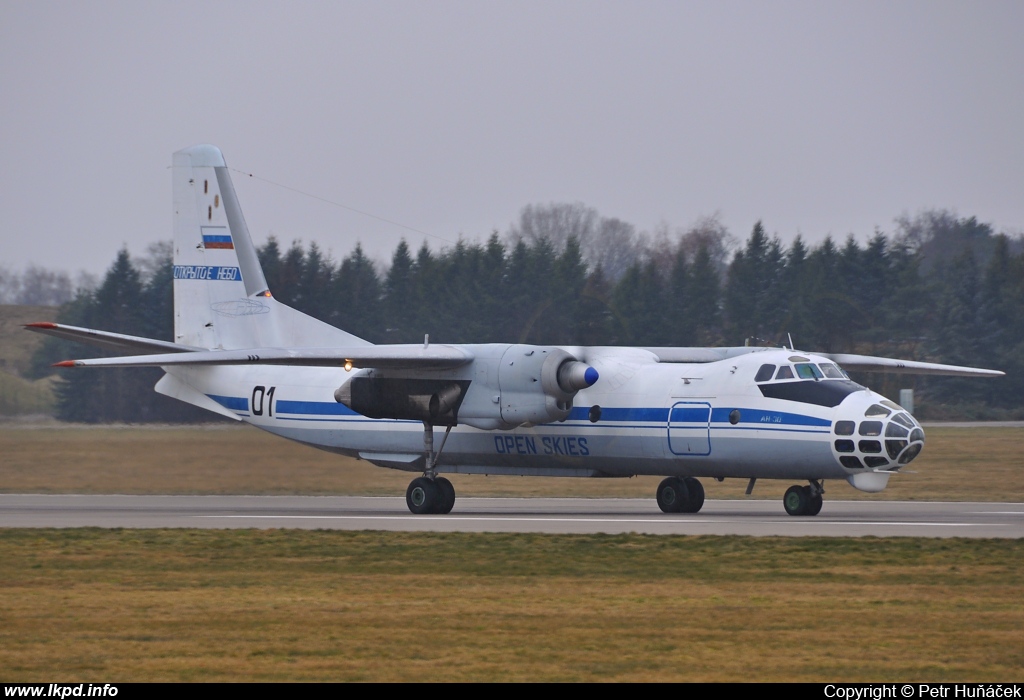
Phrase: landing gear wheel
(422, 496)
(796, 500)
(447, 495)
(672, 495)
(814, 504)
(695, 495)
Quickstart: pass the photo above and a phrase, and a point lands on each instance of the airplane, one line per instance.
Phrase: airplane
(506, 408)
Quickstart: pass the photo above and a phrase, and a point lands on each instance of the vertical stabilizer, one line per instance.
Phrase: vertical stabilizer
(221, 298)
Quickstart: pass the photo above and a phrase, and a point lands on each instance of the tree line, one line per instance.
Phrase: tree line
(940, 288)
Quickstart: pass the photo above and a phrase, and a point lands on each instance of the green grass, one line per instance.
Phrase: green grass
(112, 605)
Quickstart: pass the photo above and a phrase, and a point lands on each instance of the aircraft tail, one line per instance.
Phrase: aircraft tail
(221, 298)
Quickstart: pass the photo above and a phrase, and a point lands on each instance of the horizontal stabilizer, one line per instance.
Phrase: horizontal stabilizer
(867, 363)
(107, 340)
(371, 356)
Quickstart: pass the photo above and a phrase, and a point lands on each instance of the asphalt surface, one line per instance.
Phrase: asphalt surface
(550, 515)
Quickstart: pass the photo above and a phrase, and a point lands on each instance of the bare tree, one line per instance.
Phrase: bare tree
(41, 287)
(10, 285)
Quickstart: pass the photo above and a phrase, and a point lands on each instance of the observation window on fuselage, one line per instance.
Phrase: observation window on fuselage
(765, 373)
(806, 370)
(785, 372)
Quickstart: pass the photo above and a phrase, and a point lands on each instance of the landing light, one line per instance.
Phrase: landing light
(348, 365)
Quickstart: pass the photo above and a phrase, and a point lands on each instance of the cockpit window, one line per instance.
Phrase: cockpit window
(893, 406)
(806, 370)
(785, 372)
(765, 373)
(831, 371)
(876, 410)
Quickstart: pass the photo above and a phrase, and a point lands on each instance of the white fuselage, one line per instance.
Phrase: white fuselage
(642, 417)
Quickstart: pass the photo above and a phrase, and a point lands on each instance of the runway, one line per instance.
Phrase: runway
(547, 515)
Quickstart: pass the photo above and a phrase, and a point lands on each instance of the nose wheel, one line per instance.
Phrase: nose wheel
(804, 500)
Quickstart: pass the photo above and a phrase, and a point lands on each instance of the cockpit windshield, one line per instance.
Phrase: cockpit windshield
(831, 371)
(807, 370)
(806, 382)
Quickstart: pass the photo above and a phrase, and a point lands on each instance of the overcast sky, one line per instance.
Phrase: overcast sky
(448, 117)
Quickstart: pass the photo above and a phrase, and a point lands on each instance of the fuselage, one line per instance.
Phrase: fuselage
(775, 414)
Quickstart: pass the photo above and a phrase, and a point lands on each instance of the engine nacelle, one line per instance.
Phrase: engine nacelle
(436, 401)
(538, 383)
(505, 387)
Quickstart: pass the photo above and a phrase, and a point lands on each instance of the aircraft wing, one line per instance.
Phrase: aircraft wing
(866, 363)
(107, 340)
(377, 356)
(885, 364)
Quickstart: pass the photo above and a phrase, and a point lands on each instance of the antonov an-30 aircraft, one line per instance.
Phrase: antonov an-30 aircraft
(682, 413)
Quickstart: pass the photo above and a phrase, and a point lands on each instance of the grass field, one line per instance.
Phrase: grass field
(983, 464)
(186, 605)
(90, 605)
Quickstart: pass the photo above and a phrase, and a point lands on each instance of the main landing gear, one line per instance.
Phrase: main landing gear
(680, 495)
(804, 500)
(430, 493)
(425, 496)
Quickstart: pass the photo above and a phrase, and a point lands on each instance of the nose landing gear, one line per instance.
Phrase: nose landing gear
(804, 500)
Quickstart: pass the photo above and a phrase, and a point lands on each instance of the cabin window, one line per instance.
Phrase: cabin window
(844, 446)
(870, 446)
(896, 431)
(785, 372)
(904, 420)
(894, 447)
(911, 452)
(845, 427)
(765, 373)
(871, 428)
(806, 370)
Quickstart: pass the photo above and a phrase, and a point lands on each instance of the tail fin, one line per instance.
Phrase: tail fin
(221, 299)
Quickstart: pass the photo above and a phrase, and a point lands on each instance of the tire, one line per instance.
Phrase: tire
(422, 496)
(446, 494)
(814, 504)
(672, 495)
(695, 495)
(796, 500)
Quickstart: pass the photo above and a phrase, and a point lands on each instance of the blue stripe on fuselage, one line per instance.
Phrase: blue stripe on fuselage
(748, 416)
(314, 408)
(768, 418)
(232, 402)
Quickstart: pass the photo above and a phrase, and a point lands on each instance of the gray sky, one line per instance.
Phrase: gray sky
(819, 118)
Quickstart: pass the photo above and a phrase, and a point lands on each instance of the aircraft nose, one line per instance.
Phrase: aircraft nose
(876, 435)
